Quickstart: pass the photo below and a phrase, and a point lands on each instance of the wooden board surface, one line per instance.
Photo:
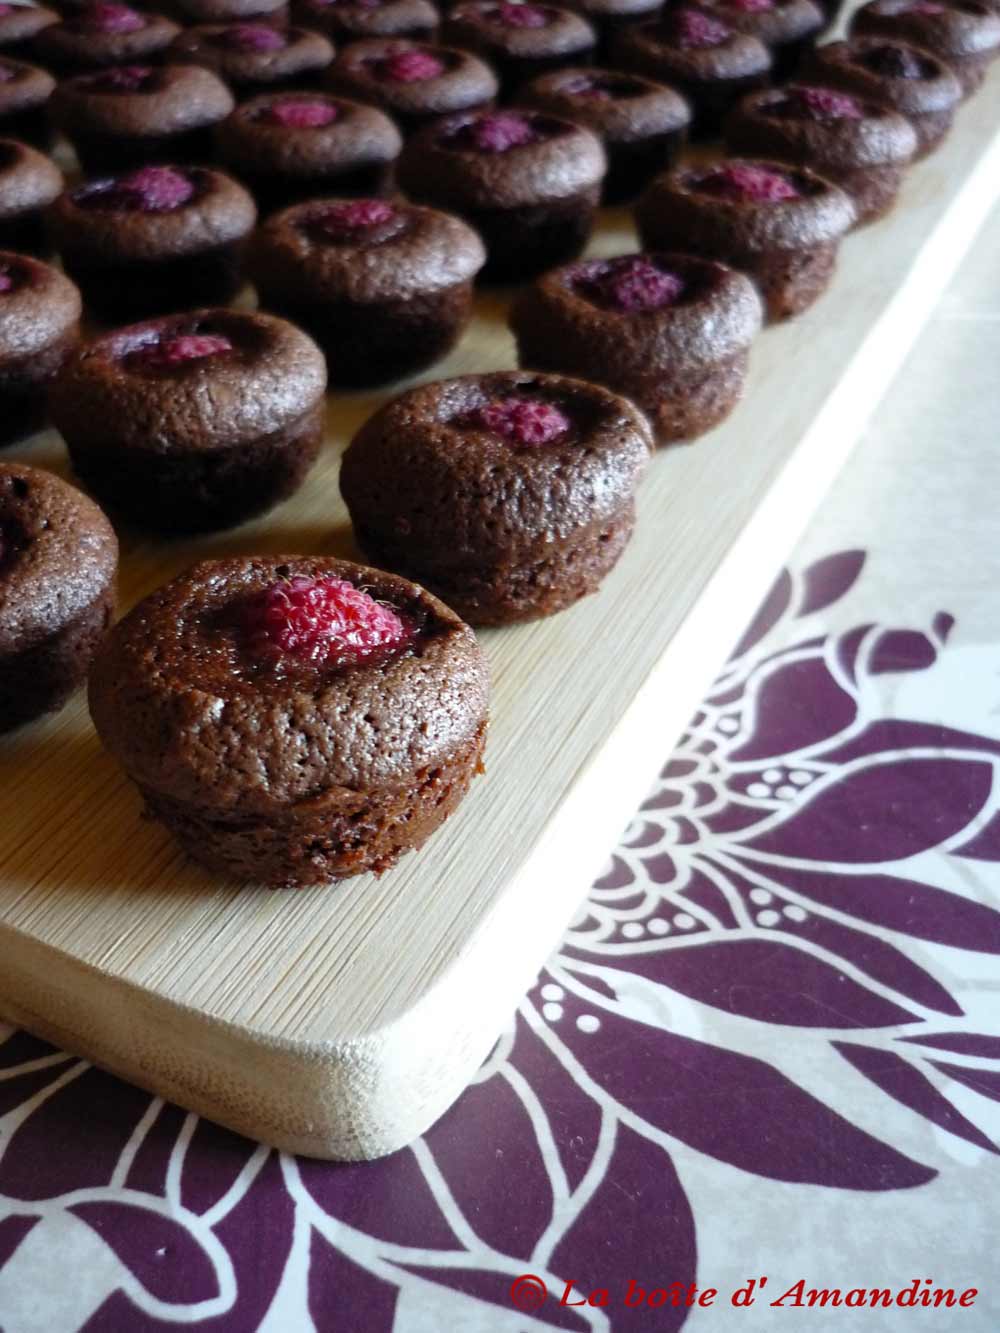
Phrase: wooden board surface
(341, 1023)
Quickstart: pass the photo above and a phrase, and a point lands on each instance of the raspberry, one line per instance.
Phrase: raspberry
(122, 79)
(630, 283)
(111, 18)
(821, 104)
(342, 221)
(498, 133)
(326, 622)
(520, 16)
(744, 182)
(170, 352)
(409, 67)
(148, 190)
(6, 9)
(695, 31)
(302, 115)
(520, 420)
(585, 85)
(894, 62)
(251, 37)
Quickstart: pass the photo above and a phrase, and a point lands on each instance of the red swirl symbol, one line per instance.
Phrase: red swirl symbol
(528, 1292)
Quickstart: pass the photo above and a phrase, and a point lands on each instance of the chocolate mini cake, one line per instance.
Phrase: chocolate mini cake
(24, 96)
(58, 560)
(193, 422)
(641, 124)
(39, 327)
(511, 495)
(20, 25)
(255, 56)
(29, 182)
(294, 146)
(103, 34)
(915, 83)
(350, 20)
(294, 720)
(519, 39)
(780, 225)
(671, 332)
(412, 81)
(528, 183)
(155, 240)
(274, 12)
(706, 60)
(385, 289)
(609, 17)
(859, 146)
(131, 115)
(788, 28)
(965, 34)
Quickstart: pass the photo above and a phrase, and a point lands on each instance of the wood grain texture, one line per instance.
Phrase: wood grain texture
(341, 1023)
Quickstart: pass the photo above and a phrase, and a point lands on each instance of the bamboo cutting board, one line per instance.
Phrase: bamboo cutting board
(342, 1023)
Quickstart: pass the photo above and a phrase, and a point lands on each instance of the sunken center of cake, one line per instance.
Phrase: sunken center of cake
(520, 419)
(355, 222)
(250, 37)
(921, 7)
(695, 31)
(627, 284)
(164, 354)
(109, 18)
(601, 87)
(302, 114)
(408, 67)
(498, 133)
(818, 104)
(322, 622)
(519, 16)
(747, 183)
(147, 190)
(123, 79)
(895, 62)
(752, 6)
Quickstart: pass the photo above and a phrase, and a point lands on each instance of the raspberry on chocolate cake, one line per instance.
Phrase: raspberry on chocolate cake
(294, 720)
(918, 85)
(672, 332)
(704, 58)
(24, 96)
(291, 146)
(195, 421)
(510, 495)
(351, 20)
(39, 327)
(384, 288)
(20, 25)
(255, 56)
(131, 115)
(780, 225)
(862, 147)
(641, 124)
(58, 562)
(412, 81)
(965, 34)
(102, 34)
(154, 240)
(529, 183)
(519, 38)
(788, 28)
(29, 182)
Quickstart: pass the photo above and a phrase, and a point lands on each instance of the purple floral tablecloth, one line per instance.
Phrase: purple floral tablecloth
(765, 1061)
